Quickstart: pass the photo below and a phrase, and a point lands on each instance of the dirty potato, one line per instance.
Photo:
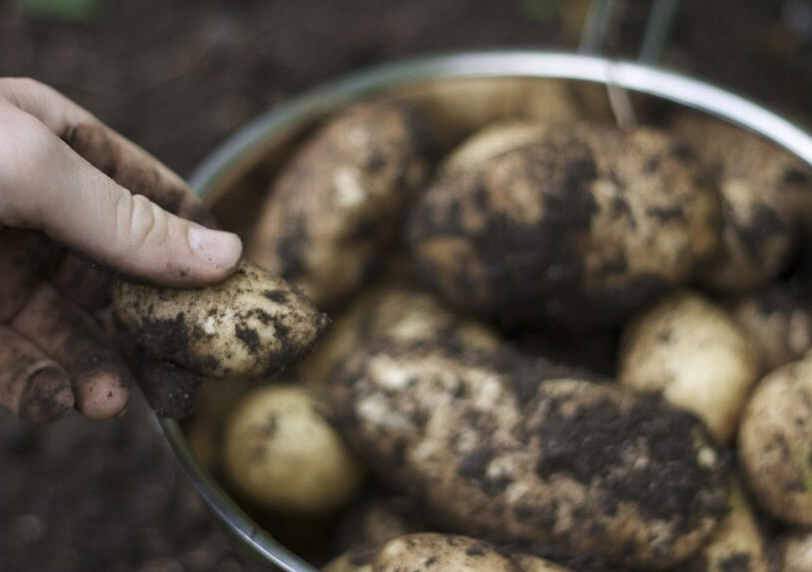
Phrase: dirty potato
(775, 441)
(333, 209)
(580, 229)
(690, 350)
(435, 552)
(777, 322)
(760, 186)
(737, 544)
(252, 325)
(515, 448)
(398, 314)
(793, 553)
(283, 455)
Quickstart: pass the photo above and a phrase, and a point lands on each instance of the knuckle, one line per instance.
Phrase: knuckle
(140, 222)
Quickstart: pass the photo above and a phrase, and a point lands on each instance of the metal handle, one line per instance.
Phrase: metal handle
(599, 19)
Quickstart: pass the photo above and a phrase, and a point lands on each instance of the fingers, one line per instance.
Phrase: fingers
(101, 380)
(24, 255)
(46, 186)
(129, 165)
(32, 385)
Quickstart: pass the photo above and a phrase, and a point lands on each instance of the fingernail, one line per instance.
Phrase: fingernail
(217, 248)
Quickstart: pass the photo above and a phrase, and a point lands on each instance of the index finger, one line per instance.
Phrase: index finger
(119, 158)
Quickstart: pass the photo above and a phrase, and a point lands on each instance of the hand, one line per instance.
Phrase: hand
(73, 191)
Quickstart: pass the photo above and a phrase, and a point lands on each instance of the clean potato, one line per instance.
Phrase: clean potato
(399, 314)
(283, 455)
(434, 552)
(738, 544)
(252, 325)
(762, 188)
(775, 443)
(580, 229)
(690, 350)
(492, 141)
(497, 445)
(793, 553)
(332, 211)
(777, 322)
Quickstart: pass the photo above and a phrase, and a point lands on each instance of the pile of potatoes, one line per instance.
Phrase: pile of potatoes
(556, 344)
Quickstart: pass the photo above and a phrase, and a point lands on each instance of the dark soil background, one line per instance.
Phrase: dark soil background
(177, 76)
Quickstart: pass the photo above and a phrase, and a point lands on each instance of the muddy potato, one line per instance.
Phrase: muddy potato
(776, 321)
(520, 449)
(283, 455)
(578, 229)
(793, 553)
(690, 350)
(737, 544)
(252, 325)
(331, 212)
(762, 189)
(399, 314)
(775, 440)
(434, 552)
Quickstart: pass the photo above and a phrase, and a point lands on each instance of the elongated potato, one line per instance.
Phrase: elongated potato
(775, 443)
(252, 325)
(338, 203)
(793, 553)
(579, 229)
(434, 552)
(492, 141)
(777, 322)
(520, 449)
(283, 455)
(737, 544)
(400, 315)
(762, 188)
(691, 351)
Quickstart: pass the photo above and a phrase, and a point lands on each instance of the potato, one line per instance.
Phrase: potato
(331, 212)
(434, 552)
(492, 141)
(793, 553)
(283, 455)
(398, 314)
(376, 517)
(579, 229)
(760, 186)
(204, 431)
(252, 325)
(690, 350)
(775, 442)
(777, 323)
(520, 449)
(737, 544)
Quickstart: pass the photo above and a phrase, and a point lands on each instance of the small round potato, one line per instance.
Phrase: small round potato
(793, 553)
(338, 203)
(580, 229)
(435, 552)
(400, 315)
(252, 325)
(282, 454)
(759, 185)
(518, 449)
(775, 443)
(737, 544)
(691, 351)
(777, 322)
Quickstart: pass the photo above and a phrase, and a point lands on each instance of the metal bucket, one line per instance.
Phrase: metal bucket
(271, 133)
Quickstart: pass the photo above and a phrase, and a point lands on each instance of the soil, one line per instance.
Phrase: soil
(177, 77)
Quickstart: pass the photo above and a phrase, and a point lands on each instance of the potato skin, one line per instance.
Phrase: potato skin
(282, 454)
(761, 187)
(252, 325)
(776, 321)
(793, 553)
(520, 449)
(579, 229)
(333, 209)
(690, 350)
(775, 440)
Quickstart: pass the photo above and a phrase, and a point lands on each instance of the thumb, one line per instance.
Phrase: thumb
(55, 190)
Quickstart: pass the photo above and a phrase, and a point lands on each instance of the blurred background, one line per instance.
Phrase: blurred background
(177, 77)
